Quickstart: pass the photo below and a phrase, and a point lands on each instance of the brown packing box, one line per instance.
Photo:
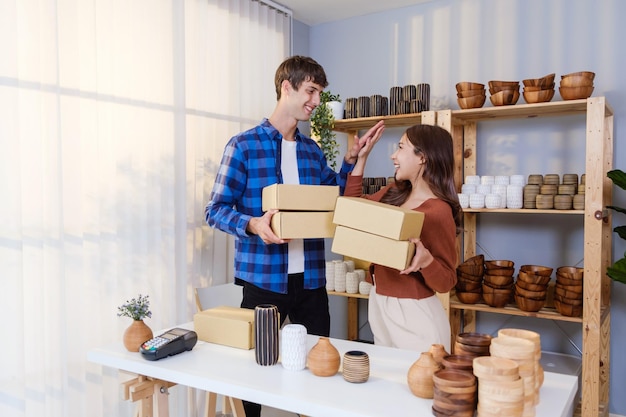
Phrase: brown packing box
(378, 218)
(224, 325)
(303, 224)
(298, 197)
(373, 248)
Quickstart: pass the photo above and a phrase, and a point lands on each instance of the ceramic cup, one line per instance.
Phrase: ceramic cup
(468, 189)
(352, 282)
(464, 200)
(472, 179)
(492, 201)
(477, 201)
(356, 366)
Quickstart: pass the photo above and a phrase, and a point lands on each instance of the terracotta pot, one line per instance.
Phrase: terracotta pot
(137, 333)
(420, 375)
(323, 358)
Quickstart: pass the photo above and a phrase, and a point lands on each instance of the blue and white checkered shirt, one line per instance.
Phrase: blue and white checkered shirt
(251, 161)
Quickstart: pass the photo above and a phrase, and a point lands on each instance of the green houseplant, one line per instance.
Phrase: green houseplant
(617, 271)
(322, 123)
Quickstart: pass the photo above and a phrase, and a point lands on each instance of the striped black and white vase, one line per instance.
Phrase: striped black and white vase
(266, 343)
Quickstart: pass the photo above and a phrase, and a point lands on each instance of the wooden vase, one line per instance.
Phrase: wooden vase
(323, 358)
(439, 352)
(420, 375)
(137, 333)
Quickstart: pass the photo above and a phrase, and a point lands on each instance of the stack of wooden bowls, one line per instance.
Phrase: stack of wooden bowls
(470, 280)
(454, 393)
(472, 344)
(523, 352)
(576, 85)
(458, 362)
(470, 95)
(500, 387)
(568, 291)
(498, 283)
(539, 90)
(531, 287)
(503, 93)
(535, 338)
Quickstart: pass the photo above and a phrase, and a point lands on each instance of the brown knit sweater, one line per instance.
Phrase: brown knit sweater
(438, 235)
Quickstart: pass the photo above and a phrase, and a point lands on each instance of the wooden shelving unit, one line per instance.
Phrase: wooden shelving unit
(596, 318)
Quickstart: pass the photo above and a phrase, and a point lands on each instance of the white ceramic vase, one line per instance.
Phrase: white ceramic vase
(293, 347)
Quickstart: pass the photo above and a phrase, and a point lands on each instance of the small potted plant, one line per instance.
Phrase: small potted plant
(617, 271)
(322, 124)
(138, 332)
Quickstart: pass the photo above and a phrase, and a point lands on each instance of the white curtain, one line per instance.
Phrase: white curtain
(113, 118)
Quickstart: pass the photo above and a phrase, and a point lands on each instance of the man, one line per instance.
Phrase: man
(287, 273)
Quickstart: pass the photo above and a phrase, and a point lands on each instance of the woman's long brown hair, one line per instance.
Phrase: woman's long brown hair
(435, 143)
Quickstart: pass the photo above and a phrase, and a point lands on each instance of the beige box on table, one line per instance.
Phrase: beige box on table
(303, 224)
(224, 325)
(373, 248)
(378, 218)
(300, 197)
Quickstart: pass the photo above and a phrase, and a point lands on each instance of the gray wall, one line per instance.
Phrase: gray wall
(444, 42)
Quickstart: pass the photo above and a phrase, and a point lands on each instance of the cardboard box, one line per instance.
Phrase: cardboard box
(298, 197)
(373, 248)
(224, 325)
(378, 218)
(303, 224)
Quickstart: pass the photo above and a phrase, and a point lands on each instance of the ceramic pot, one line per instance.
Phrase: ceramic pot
(293, 347)
(266, 324)
(420, 375)
(356, 366)
(323, 358)
(137, 333)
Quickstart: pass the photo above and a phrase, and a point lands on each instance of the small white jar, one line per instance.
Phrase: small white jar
(477, 201)
(492, 201)
(464, 200)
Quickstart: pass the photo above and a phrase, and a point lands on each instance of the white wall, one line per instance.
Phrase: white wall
(444, 42)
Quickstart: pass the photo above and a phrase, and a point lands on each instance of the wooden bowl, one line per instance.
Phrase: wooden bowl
(578, 301)
(460, 362)
(535, 295)
(469, 277)
(532, 88)
(568, 281)
(469, 297)
(541, 96)
(567, 309)
(589, 74)
(471, 269)
(472, 102)
(468, 85)
(559, 290)
(474, 338)
(576, 81)
(530, 287)
(505, 98)
(499, 263)
(470, 93)
(453, 378)
(545, 271)
(532, 278)
(469, 286)
(570, 272)
(469, 350)
(498, 281)
(497, 300)
(505, 270)
(544, 81)
(575, 93)
(503, 84)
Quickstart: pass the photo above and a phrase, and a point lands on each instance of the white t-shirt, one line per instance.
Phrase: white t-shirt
(289, 168)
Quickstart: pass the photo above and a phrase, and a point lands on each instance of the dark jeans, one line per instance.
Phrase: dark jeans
(306, 307)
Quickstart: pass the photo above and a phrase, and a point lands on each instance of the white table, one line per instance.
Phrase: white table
(234, 372)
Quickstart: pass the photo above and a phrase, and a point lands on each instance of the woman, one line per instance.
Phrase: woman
(404, 311)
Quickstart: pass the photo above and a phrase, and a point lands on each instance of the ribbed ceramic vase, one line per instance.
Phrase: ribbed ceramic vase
(266, 343)
(293, 347)
(137, 333)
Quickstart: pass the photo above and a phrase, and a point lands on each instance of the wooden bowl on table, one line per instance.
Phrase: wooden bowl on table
(568, 309)
(498, 281)
(543, 82)
(471, 93)
(504, 98)
(469, 297)
(576, 81)
(472, 102)
(497, 300)
(545, 271)
(530, 287)
(540, 96)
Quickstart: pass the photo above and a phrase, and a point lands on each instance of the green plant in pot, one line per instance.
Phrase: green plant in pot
(322, 124)
(617, 271)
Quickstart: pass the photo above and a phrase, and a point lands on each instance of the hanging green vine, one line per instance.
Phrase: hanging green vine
(322, 123)
(617, 271)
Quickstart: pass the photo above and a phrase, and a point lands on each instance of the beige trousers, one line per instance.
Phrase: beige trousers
(407, 323)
